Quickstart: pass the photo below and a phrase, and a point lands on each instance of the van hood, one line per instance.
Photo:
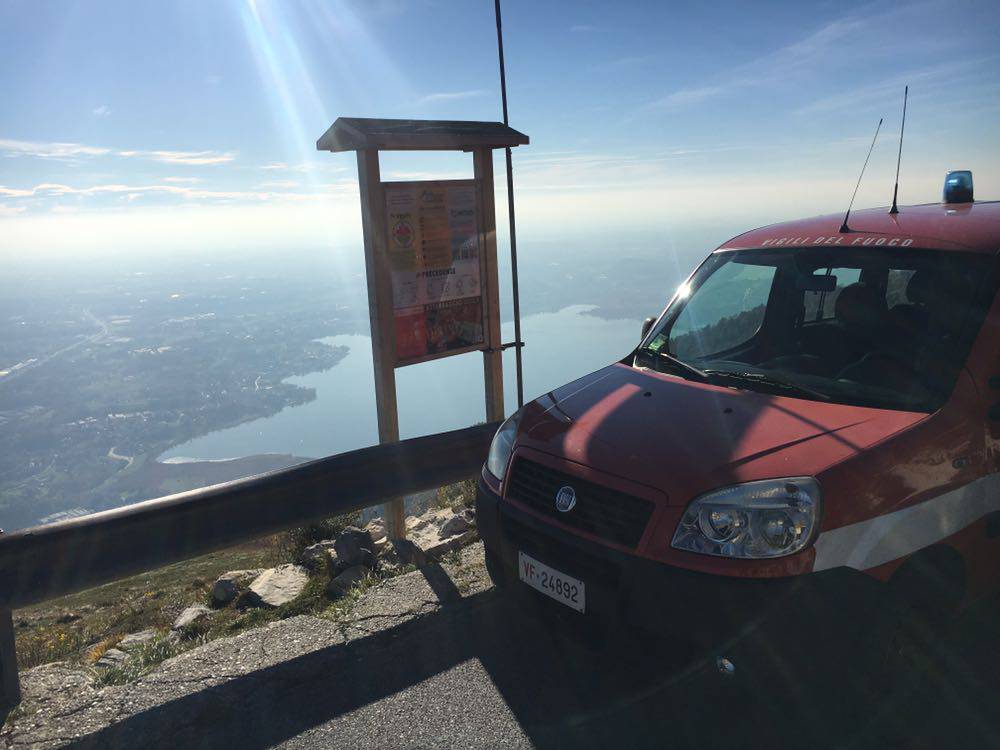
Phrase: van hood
(685, 438)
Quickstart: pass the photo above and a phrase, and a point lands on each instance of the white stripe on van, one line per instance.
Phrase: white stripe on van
(878, 540)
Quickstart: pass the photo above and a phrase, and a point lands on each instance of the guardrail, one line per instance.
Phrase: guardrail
(44, 562)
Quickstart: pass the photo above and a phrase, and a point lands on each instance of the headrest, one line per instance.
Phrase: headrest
(918, 288)
(860, 306)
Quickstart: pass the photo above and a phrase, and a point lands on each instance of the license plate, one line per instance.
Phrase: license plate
(561, 587)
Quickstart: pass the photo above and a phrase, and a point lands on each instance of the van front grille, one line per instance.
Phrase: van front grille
(601, 511)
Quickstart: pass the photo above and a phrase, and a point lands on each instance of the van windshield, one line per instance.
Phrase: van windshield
(875, 327)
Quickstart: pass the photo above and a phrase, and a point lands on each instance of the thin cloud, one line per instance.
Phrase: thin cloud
(130, 193)
(830, 42)
(72, 151)
(306, 166)
(939, 80)
(625, 62)
(58, 189)
(450, 96)
(103, 111)
(183, 180)
(62, 151)
(16, 192)
(192, 158)
(687, 97)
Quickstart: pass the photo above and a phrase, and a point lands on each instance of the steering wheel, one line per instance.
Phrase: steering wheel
(882, 369)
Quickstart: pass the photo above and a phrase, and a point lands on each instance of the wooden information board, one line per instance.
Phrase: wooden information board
(430, 257)
(436, 258)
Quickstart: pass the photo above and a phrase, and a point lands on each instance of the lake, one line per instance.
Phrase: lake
(435, 396)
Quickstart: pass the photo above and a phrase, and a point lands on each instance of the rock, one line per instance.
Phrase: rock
(113, 657)
(67, 617)
(135, 640)
(190, 616)
(334, 564)
(454, 525)
(342, 583)
(400, 552)
(376, 527)
(441, 531)
(319, 554)
(413, 522)
(277, 586)
(228, 585)
(355, 546)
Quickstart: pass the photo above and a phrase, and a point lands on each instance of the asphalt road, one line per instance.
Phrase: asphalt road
(423, 665)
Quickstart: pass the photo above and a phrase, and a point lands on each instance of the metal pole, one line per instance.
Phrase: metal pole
(518, 344)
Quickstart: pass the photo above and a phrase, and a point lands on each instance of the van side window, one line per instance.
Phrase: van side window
(727, 312)
(820, 305)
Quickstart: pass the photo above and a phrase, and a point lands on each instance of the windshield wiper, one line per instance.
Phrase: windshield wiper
(676, 364)
(767, 381)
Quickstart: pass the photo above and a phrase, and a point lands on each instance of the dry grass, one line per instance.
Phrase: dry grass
(94, 654)
(74, 627)
(458, 495)
(82, 627)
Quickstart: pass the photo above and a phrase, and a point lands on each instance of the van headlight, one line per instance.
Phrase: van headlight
(502, 446)
(770, 518)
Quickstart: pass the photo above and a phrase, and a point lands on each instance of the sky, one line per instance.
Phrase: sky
(190, 126)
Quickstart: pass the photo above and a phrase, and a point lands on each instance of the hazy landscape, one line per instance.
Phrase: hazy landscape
(113, 372)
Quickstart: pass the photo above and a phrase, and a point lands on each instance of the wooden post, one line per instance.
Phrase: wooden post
(493, 355)
(380, 312)
(10, 686)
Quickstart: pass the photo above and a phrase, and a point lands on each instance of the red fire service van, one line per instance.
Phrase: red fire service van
(812, 422)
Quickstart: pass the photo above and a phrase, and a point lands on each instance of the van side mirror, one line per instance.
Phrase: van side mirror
(646, 325)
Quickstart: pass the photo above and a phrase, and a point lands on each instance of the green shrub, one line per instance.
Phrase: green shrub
(288, 547)
(142, 659)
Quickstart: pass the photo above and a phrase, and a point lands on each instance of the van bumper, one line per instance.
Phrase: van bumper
(709, 610)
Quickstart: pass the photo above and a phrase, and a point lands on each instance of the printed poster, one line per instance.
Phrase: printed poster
(434, 258)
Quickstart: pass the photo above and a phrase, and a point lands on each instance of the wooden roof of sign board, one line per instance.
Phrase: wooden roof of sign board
(355, 133)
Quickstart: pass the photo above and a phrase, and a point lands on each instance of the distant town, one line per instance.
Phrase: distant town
(98, 380)
(105, 367)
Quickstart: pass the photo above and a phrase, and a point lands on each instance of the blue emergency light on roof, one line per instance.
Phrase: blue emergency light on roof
(958, 186)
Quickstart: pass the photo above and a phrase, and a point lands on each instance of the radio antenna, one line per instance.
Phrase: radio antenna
(844, 227)
(517, 344)
(899, 156)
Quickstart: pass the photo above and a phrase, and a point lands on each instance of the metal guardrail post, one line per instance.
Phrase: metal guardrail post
(10, 684)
